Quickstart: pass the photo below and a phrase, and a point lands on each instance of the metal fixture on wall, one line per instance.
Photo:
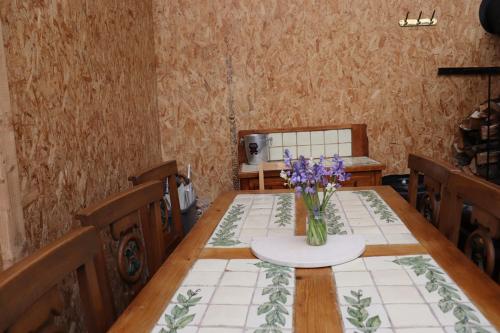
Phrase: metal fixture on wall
(489, 16)
(419, 22)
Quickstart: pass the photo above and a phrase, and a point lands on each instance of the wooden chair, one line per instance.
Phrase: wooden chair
(484, 197)
(436, 174)
(166, 173)
(126, 215)
(28, 296)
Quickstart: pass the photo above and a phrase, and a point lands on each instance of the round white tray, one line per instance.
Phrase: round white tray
(293, 251)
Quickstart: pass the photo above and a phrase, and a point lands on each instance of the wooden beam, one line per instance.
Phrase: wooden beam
(12, 233)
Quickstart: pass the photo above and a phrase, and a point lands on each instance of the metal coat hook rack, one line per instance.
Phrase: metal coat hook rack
(419, 22)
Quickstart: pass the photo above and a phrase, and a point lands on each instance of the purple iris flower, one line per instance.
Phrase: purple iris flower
(307, 176)
(310, 190)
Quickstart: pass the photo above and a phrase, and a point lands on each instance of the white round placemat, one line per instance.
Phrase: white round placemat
(293, 251)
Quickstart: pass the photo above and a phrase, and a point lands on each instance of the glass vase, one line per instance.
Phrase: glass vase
(316, 229)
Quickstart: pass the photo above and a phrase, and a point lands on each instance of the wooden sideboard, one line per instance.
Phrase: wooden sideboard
(364, 171)
(362, 174)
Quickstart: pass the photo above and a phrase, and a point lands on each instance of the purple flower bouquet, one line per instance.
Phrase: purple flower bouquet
(309, 178)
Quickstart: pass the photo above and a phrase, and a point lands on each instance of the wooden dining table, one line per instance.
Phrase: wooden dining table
(316, 307)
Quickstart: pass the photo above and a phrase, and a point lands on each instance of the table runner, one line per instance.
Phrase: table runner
(348, 212)
(403, 294)
(366, 213)
(237, 295)
(254, 215)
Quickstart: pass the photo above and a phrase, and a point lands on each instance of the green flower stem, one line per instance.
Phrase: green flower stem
(326, 198)
(316, 226)
(316, 230)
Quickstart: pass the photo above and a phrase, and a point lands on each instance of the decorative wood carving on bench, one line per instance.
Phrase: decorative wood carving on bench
(484, 197)
(29, 299)
(166, 173)
(436, 174)
(127, 215)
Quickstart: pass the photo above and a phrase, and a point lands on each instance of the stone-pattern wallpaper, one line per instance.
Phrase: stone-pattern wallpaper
(305, 63)
(83, 91)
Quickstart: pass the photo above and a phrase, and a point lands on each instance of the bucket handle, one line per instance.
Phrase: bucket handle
(269, 139)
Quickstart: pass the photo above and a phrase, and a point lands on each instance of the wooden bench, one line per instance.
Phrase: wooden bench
(29, 298)
(349, 141)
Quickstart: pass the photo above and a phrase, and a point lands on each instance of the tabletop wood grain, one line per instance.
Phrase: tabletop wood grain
(315, 288)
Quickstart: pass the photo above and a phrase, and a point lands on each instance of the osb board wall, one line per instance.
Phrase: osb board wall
(193, 90)
(83, 91)
(303, 63)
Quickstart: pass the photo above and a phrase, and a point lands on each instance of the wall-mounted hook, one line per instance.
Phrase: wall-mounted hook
(419, 21)
(419, 17)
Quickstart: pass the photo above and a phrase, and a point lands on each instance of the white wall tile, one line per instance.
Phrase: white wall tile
(277, 139)
(317, 138)
(304, 151)
(289, 139)
(345, 135)
(303, 138)
(276, 154)
(331, 136)
(317, 150)
(345, 149)
(331, 150)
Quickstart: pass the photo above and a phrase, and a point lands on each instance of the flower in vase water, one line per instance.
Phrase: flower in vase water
(308, 178)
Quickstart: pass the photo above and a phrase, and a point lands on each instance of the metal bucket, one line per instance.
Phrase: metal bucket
(256, 148)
